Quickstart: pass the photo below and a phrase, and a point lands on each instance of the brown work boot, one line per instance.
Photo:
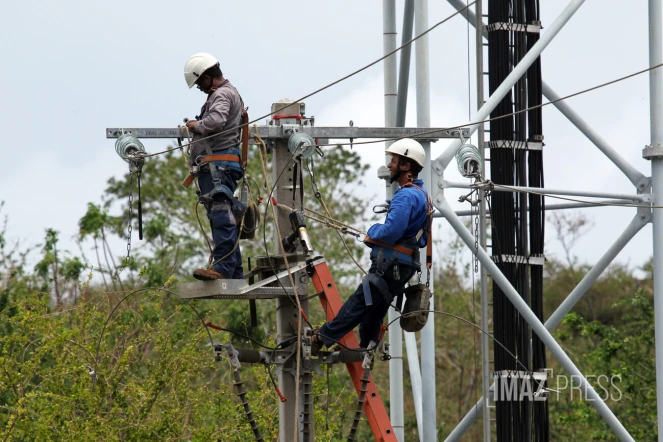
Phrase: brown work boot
(207, 275)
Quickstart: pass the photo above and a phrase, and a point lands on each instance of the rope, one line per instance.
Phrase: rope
(263, 155)
(327, 221)
(318, 195)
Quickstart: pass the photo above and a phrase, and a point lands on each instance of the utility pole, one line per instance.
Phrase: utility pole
(288, 132)
(286, 308)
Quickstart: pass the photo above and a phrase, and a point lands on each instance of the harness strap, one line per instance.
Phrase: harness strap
(218, 157)
(365, 284)
(208, 159)
(245, 137)
(398, 248)
(429, 239)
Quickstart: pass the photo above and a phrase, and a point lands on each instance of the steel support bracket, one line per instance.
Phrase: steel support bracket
(644, 185)
(232, 354)
(645, 214)
(650, 152)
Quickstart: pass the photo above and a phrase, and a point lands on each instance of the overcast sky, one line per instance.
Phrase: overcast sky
(73, 68)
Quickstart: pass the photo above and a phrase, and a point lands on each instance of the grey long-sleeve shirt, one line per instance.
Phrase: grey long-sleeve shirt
(221, 111)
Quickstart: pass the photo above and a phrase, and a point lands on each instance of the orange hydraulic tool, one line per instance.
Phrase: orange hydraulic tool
(331, 301)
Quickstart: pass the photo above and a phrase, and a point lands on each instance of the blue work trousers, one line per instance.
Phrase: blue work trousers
(225, 228)
(369, 318)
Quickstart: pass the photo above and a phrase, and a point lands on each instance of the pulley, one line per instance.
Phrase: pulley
(302, 145)
(131, 150)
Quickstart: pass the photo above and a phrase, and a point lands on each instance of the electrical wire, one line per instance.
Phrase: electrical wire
(471, 123)
(488, 120)
(596, 203)
(413, 312)
(373, 63)
(318, 195)
(279, 346)
(110, 315)
(264, 225)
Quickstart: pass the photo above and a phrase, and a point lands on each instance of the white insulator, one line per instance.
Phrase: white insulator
(468, 159)
(130, 149)
(301, 143)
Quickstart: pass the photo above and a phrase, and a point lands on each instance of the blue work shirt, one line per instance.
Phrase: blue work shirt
(406, 216)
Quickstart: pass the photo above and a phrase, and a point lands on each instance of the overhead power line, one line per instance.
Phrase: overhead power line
(333, 83)
(472, 123)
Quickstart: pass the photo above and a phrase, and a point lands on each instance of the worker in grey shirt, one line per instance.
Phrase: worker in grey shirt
(216, 132)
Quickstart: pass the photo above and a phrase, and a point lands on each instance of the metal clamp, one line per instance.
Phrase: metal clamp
(368, 356)
(233, 355)
(651, 152)
(517, 27)
(517, 259)
(514, 144)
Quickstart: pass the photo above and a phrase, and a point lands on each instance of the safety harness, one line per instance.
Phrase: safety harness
(406, 252)
(222, 164)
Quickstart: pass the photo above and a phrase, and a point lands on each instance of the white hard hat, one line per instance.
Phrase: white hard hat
(408, 148)
(196, 66)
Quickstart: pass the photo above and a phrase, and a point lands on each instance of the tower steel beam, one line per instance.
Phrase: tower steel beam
(654, 152)
(637, 178)
(638, 222)
(390, 112)
(429, 403)
(483, 277)
(537, 326)
(519, 70)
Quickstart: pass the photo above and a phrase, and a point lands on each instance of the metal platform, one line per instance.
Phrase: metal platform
(239, 288)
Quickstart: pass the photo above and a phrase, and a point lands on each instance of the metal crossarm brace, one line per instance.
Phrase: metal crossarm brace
(284, 132)
(376, 414)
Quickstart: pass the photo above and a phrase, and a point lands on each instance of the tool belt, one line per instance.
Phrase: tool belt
(383, 257)
(195, 170)
(222, 167)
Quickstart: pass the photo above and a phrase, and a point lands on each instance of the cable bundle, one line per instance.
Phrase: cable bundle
(514, 231)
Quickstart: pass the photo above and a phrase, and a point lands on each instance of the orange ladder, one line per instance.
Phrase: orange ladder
(374, 409)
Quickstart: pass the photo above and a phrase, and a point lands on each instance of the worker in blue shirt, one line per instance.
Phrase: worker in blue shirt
(394, 255)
